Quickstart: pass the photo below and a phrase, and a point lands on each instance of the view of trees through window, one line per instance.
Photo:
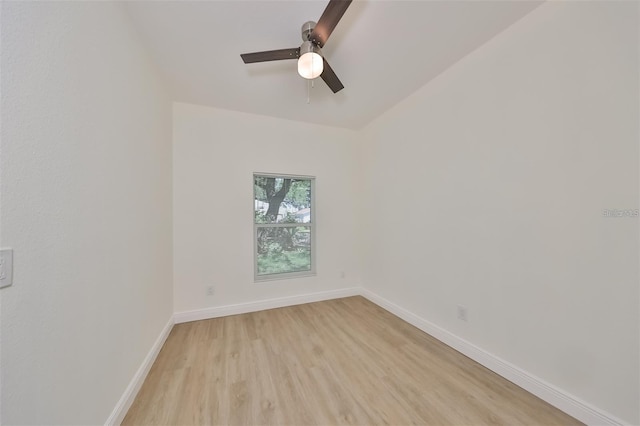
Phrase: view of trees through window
(283, 225)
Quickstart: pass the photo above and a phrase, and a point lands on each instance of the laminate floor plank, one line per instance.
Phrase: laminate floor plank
(339, 362)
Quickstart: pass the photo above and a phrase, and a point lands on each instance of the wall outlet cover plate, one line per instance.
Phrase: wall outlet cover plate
(6, 267)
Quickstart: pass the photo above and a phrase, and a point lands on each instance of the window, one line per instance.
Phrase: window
(283, 226)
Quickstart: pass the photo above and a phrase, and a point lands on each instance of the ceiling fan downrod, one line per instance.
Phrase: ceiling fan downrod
(307, 29)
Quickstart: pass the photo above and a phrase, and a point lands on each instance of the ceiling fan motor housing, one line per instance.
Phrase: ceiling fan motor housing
(307, 28)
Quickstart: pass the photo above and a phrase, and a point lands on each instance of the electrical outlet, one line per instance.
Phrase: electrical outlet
(343, 275)
(210, 290)
(462, 313)
(6, 267)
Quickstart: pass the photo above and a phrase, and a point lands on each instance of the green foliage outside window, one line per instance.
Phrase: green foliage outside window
(283, 227)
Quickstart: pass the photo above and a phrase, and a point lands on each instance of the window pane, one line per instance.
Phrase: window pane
(282, 199)
(284, 249)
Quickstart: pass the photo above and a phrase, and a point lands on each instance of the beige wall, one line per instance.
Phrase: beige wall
(489, 186)
(86, 206)
(215, 153)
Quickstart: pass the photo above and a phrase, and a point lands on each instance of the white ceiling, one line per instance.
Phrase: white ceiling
(382, 51)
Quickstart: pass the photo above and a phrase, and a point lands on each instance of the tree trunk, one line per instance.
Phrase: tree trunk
(275, 199)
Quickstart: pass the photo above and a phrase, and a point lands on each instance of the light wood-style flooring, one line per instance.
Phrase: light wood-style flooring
(344, 361)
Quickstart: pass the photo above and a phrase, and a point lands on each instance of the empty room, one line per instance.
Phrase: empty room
(319, 212)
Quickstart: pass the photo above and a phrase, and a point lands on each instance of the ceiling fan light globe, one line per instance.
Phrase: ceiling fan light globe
(310, 65)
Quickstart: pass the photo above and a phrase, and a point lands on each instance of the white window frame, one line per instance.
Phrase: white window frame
(311, 225)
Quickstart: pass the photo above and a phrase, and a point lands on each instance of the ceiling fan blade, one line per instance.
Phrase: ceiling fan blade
(331, 78)
(271, 55)
(328, 21)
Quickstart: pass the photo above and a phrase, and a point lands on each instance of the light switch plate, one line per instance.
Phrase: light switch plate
(6, 267)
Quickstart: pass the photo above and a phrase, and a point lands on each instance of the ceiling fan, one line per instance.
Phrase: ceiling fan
(311, 63)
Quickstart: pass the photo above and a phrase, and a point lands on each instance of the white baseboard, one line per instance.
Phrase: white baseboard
(560, 399)
(123, 405)
(261, 305)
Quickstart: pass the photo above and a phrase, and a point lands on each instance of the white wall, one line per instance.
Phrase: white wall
(215, 155)
(86, 206)
(488, 187)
